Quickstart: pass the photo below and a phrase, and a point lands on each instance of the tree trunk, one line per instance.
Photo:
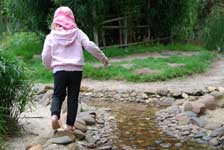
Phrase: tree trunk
(95, 33)
(120, 34)
(103, 37)
(126, 31)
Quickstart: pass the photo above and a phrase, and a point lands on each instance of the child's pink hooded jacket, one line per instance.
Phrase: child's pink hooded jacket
(63, 50)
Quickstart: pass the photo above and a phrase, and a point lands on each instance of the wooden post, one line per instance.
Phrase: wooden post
(95, 33)
(149, 34)
(103, 37)
(120, 34)
(126, 31)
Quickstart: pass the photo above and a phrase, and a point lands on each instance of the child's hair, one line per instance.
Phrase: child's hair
(55, 26)
(63, 18)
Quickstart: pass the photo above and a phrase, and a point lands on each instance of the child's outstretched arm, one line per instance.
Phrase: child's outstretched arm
(46, 53)
(93, 48)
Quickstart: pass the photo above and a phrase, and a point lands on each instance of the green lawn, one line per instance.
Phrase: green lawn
(160, 69)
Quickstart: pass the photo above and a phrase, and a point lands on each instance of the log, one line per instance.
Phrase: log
(124, 27)
(112, 20)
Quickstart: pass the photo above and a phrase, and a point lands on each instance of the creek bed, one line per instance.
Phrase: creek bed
(137, 130)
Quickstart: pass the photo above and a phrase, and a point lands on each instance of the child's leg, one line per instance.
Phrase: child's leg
(58, 97)
(73, 94)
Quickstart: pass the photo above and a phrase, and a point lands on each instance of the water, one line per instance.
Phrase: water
(136, 129)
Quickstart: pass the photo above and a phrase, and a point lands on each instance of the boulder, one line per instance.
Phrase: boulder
(187, 106)
(198, 108)
(208, 100)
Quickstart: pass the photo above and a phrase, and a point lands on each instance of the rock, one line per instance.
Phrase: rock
(85, 89)
(179, 102)
(88, 113)
(165, 145)
(64, 133)
(176, 94)
(208, 100)
(162, 92)
(184, 95)
(144, 96)
(213, 142)
(199, 122)
(80, 126)
(89, 120)
(79, 134)
(174, 109)
(46, 99)
(220, 102)
(217, 94)
(206, 138)
(213, 125)
(159, 141)
(182, 119)
(62, 140)
(211, 89)
(187, 106)
(105, 148)
(55, 147)
(37, 141)
(81, 121)
(72, 146)
(167, 101)
(190, 114)
(199, 135)
(36, 147)
(198, 108)
(91, 145)
(221, 89)
(178, 145)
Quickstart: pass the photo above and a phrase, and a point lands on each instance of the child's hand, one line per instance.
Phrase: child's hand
(106, 62)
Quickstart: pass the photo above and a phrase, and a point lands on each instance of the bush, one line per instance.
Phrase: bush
(24, 44)
(16, 91)
(213, 35)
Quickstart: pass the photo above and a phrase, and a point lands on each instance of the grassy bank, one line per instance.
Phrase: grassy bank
(157, 69)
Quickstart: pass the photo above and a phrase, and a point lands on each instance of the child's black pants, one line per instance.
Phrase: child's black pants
(66, 83)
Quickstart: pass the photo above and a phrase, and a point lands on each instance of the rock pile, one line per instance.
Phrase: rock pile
(184, 120)
(92, 128)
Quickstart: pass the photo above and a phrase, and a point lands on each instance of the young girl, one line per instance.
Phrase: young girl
(63, 54)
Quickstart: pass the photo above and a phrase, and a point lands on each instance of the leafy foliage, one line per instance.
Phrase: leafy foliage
(213, 34)
(16, 90)
(23, 44)
(27, 15)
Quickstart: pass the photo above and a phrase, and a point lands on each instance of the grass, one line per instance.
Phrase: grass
(197, 63)
(119, 52)
(189, 65)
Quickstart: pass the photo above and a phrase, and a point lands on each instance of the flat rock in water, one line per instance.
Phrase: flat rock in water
(62, 140)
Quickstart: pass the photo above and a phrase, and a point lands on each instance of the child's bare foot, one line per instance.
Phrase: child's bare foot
(68, 128)
(54, 122)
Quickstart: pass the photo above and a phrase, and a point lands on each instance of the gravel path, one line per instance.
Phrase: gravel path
(213, 77)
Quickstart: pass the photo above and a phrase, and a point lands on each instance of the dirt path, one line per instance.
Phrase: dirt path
(213, 77)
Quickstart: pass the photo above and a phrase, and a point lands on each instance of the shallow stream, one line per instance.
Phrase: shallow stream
(137, 130)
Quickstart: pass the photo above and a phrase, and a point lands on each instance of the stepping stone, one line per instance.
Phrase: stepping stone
(79, 134)
(36, 147)
(62, 140)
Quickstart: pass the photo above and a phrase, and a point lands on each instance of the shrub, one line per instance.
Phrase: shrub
(213, 34)
(15, 91)
(24, 44)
